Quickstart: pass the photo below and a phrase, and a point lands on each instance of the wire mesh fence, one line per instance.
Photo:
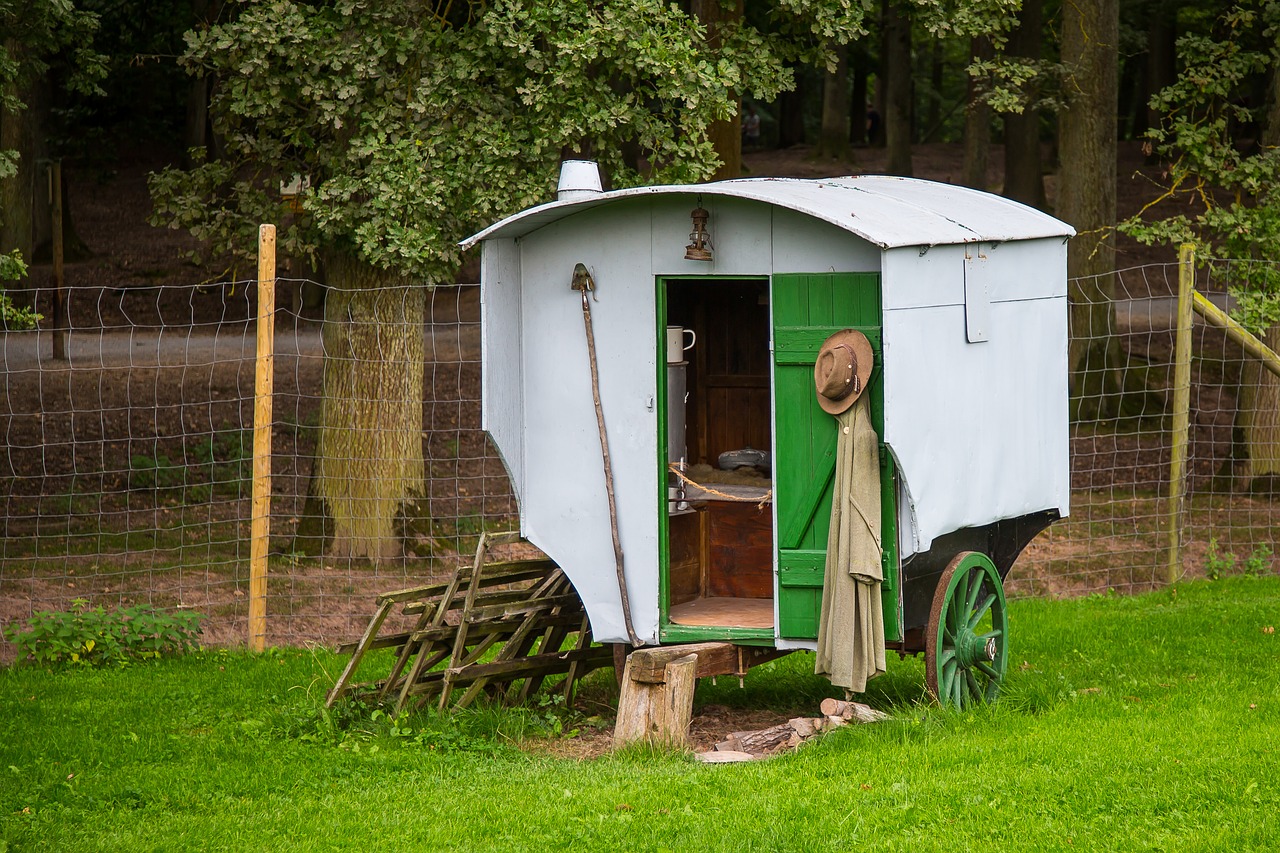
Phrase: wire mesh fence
(127, 466)
(1122, 439)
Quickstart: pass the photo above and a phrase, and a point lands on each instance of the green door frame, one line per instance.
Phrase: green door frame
(668, 632)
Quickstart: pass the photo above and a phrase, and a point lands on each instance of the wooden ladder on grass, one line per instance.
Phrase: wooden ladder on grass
(525, 609)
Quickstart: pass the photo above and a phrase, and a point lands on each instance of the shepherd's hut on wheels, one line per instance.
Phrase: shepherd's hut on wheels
(792, 414)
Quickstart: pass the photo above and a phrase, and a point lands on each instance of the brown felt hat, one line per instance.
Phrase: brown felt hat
(842, 370)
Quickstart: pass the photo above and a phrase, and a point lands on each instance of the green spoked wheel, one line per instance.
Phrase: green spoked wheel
(966, 643)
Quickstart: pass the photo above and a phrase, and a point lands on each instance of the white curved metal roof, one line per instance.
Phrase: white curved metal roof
(887, 211)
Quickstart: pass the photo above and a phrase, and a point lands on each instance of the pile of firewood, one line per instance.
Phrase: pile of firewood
(748, 746)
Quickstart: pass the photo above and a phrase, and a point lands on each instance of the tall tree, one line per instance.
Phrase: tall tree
(833, 141)
(895, 68)
(977, 120)
(1087, 198)
(721, 18)
(416, 123)
(33, 37)
(1230, 187)
(1023, 178)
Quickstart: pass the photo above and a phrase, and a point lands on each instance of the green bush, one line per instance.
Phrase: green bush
(90, 636)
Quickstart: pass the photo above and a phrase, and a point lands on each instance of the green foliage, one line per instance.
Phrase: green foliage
(1015, 84)
(415, 129)
(154, 472)
(36, 34)
(1216, 564)
(1259, 562)
(1232, 190)
(90, 636)
(353, 725)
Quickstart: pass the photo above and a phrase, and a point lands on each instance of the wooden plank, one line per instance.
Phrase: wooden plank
(519, 607)
(724, 613)
(713, 659)
(740, 543)
(370, 632)
(543, 663)
(649, 664)
(442, 632)
(576, 668)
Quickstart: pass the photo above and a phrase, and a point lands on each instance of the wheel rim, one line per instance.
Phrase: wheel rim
(967, 638)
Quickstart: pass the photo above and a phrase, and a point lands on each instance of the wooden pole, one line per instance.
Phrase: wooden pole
(1239, 334)
(60, 306)
(260, 531)
(1181, 409)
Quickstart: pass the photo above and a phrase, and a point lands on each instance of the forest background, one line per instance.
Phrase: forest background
(410, 124)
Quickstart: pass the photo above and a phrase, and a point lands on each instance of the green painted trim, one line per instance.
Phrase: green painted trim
(891, 588)
(668, 631)
(664, 518)
(800, 344)
(671, 633)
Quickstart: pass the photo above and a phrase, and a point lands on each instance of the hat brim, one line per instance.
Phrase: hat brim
(864, 362)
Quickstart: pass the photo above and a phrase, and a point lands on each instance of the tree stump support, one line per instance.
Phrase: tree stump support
(656, 703)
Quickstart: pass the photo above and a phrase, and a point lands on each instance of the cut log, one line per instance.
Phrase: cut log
(657, 713)
(768, 740)
(806, 727)
(853, 711)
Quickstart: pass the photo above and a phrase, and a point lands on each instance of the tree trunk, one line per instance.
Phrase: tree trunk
(791, 111)
(1023, 169)
(858, 62)
(726, 135)
(933, 119)
(895, 65)
(977, 123)
(369, 457)
(833, 143)
(18, 132)
(1259, 415)
(1087, 200)
(1162, 56)
(1258, 421)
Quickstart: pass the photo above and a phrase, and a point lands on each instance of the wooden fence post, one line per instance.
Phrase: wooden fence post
(1181, 410)
(260, 530)
(60, 303)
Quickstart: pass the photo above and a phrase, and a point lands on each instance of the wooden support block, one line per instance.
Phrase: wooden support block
(657, 712)
(713, 659)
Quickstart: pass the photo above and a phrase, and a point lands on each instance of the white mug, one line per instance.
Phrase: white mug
(675, 343)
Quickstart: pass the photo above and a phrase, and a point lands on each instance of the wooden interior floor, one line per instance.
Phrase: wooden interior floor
(724, 612)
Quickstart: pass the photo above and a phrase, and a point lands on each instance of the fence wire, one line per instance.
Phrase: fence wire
(126, 468)
(1117, 536)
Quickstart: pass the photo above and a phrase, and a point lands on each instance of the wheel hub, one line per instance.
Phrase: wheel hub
(971, 648)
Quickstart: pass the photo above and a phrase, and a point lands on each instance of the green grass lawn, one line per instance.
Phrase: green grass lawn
(1145, 723)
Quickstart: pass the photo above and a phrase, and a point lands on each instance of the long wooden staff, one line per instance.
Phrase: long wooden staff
(584, 283)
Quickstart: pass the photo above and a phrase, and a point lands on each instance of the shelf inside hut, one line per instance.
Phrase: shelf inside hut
(720, 546)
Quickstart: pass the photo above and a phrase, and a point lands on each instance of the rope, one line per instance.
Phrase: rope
(761, 504)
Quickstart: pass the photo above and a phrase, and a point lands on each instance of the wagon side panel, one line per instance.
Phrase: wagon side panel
(501, 353)
(978, 427)
(565, 508)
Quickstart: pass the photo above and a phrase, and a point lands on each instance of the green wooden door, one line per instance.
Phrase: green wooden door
(806, 310)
